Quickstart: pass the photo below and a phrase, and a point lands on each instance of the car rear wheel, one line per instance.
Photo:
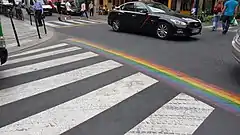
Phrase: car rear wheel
(163, 30)
(116, 25)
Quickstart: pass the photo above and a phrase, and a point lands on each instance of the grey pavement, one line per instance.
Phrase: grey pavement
(65, 88)
(27, 34)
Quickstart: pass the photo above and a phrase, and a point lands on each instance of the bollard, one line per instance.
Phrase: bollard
(45, 30)
(2, 40)
(14, 29)
(30, 18)
(37, 26)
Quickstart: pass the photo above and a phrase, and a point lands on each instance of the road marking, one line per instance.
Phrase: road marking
(36, 56)
(76, 22)
(19, 92)
(38, 50)
(59, 22)
(99, 21)
(65, 116)
(80, 20)
(46, 64)
(51, 25)
(21, 42)
(180, 116)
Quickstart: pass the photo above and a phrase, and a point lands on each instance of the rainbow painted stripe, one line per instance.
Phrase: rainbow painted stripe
(217, 96)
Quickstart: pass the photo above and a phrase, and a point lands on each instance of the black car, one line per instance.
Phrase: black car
(153, 17)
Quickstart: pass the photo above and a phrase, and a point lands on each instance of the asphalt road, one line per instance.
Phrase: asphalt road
(50, 74)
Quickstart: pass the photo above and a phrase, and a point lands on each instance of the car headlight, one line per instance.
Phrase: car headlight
(178, 23)
(199, 20)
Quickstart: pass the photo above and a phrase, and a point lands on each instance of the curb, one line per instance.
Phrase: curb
(45, 38)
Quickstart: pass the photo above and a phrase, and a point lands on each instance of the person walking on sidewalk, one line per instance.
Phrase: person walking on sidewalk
(229, 11)
(91, 8)
(38, 11)
(83, 9)
(69, 10)
(217, 14)
(59, 10)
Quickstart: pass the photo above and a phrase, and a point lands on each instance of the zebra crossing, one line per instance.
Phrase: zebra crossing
(73, 22)
(58, 89)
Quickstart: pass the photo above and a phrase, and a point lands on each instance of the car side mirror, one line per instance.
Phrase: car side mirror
(144, 11)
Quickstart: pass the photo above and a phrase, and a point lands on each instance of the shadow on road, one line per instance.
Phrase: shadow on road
(150, 35)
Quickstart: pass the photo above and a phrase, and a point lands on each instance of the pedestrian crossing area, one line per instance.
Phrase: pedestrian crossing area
(73, 22)
(66, 89)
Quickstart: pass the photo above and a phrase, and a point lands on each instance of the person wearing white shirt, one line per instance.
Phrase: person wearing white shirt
(83, 9)
(68, 8)
(91, 8)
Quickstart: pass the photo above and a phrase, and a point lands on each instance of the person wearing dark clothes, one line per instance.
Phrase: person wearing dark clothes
(229, 11)
(38, 11)
(59, 10)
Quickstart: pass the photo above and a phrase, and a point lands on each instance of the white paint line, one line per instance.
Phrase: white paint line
(99, 21)
(65, 116)
(210, 26)
(180, 116)
(59, 22)
(40, 49)
(45, 64)
(75, 22)
(21, 42)
(19, 92)
(80, 20)
(51, 25)
(36, 56)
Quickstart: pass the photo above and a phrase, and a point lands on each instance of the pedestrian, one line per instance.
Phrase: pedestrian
(83, 9)
(69, 10)
(38, 12)
(91, 8)
(217, 10)
(59, 10)
(228, 13)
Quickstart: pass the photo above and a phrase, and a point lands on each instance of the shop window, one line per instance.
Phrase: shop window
(186, 5)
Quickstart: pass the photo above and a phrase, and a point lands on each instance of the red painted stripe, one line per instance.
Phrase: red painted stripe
(145, 21)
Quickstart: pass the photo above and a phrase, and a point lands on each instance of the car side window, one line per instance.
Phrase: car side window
(139, 7)
(128, 7)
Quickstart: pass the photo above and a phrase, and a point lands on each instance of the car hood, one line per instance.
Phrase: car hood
(174, 15)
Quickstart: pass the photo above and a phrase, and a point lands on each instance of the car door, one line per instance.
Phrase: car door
(141, 17)
(125, 15)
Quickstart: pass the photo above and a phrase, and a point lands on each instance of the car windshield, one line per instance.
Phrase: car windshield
(159, 8)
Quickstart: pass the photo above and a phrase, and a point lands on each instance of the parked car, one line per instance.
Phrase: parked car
(236, 46)
(47, 9)
(153, 17)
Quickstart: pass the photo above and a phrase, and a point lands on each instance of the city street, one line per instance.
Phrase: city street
(89, 80)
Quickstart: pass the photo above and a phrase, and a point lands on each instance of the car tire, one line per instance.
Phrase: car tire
(116, 25)
(163, 30)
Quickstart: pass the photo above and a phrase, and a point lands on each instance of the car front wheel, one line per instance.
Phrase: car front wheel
(163, 30)
(116, 25)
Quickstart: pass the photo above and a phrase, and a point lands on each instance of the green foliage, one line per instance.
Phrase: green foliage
(209, 18)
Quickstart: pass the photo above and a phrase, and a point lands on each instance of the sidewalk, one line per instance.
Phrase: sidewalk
(27, 34)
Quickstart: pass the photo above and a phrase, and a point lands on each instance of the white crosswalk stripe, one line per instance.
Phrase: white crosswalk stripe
(72, 22)
(181, 115)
